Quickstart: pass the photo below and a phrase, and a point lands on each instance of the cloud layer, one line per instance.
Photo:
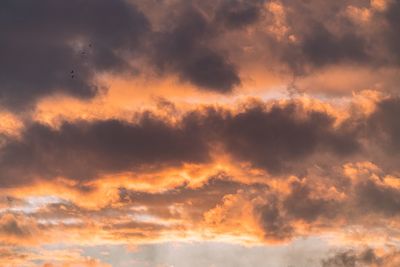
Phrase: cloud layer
(133, 123)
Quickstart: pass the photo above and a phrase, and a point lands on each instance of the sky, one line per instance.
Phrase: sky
(203, 133)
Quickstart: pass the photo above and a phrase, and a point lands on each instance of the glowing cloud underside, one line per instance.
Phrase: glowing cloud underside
(200, 133)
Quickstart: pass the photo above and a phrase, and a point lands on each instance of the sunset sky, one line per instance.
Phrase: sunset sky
(199, 133)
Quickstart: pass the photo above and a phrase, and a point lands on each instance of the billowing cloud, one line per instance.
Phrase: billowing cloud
(128, 123)
(277, 138)
(75, 43)
(183, 49)
(271, 138)
(84, 150)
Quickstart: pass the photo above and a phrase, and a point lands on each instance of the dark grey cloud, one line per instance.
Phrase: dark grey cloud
(321, 47)
(42, 43)
(58, 46)
(276, 139)
(238, 13)
(372, 198)
(382, 129)
(301, 205)
(273, 221)
(282, 139)
(83, 150)
(392, 34)
(307, 202)
(325, 37)
(365, 257)
(185, 48)
(384, 125)
(50, 47)
(342, 259)
(279, 214)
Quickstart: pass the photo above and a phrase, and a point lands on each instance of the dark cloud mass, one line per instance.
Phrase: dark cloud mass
(385, 125)
(282, 139)
(321, 47)
(273, 221)
(392, 35)
(301, 205)
(54, 46)
(238, 13)
(58, 46)
(83, 150)
(184, 48)
(383, 131)
(273, 139)
(367, 257)
(380, 199)
(277, 139)
(308, 204)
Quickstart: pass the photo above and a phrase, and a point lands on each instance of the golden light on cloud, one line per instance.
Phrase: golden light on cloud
(199, 133)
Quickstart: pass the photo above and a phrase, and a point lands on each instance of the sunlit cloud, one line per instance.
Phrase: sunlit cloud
(199, 133)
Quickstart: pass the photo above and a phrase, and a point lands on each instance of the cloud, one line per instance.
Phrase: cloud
(84, 150)
(276, 138)
(273, 223)
(222, 205)
(205, 43)
(270, 138)
(382, 130)
(75, 42)
(19, 229)
(392, 33)
(238, 13)
(302, 171)
(60, 47)
(367, 257)
(204, 162)
(318, 203)
(192, 202)
(300, 204)
(321, 47)
(384, 125)
(185, 48)
(11, 226)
